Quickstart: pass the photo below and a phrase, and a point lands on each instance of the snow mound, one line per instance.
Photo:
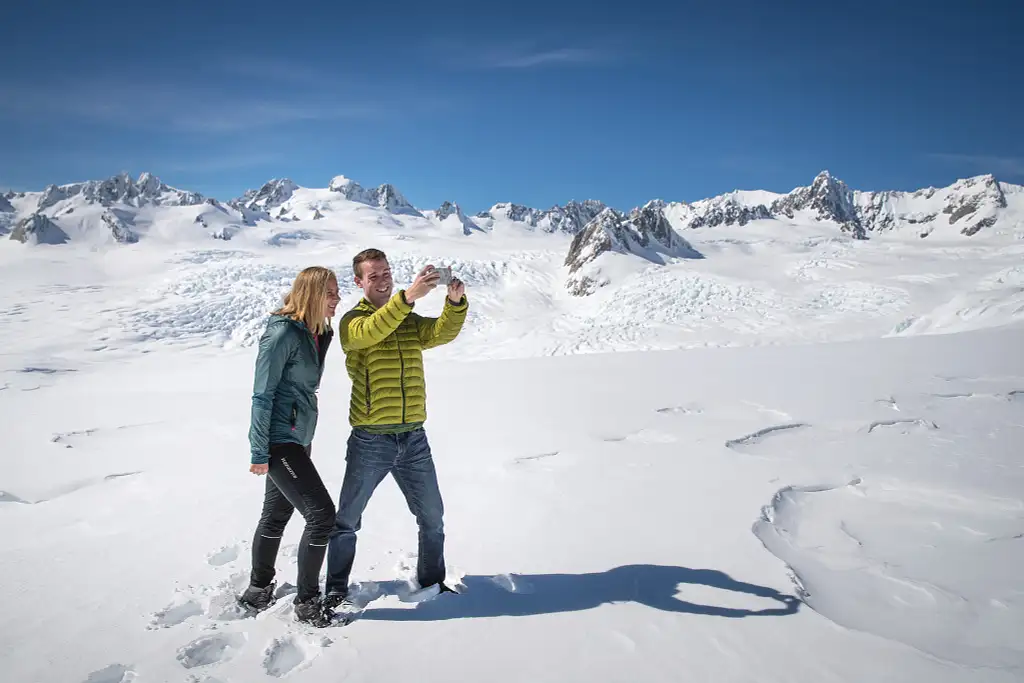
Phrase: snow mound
(939, 575)
(997, 300)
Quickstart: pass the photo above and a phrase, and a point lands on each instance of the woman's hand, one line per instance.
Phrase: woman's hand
(259, 469)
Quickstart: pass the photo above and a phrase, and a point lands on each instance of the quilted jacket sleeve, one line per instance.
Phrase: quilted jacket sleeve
(276, 347)
(361, 329)
(443, 329)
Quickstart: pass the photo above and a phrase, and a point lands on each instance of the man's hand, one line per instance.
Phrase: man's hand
(423, 284)
(259, 469)
(456, 289)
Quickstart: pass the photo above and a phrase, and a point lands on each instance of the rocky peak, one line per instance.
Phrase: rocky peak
(38, 229)
(574, 216)
(828, 198)
(652, 227)
(149, 185)
(513, 212)
(570, 219)
(119, 228)
(274, 193)
(970, 196)
(120, 189)
(645, 232)
(388, 197)
(5, 204)
(447, 209)
(385, 196)
(726, 210)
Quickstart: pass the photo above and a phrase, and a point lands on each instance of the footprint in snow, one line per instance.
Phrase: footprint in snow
(223, 556)
(211, 649)
(217, 602)
(511, 583)
(289, 653)
(115, 673)
(175, 614)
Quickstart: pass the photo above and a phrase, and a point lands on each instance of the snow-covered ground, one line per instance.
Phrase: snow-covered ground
(838, 496)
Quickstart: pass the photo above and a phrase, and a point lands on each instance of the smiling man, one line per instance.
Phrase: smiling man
(383, 341)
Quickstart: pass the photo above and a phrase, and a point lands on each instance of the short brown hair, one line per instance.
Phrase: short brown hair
(367, 255)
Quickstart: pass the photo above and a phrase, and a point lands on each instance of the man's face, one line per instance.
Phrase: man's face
(375, 281)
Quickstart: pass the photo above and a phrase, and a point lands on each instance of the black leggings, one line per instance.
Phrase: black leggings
(293, 483)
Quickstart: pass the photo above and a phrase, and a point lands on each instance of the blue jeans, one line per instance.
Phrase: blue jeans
(370, 458)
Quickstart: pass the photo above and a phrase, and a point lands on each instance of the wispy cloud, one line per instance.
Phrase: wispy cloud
(180, 108)
(1006, 167)
(511, 55)
(567, 56)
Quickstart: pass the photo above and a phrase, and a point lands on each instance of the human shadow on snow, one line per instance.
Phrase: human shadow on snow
(531, 594)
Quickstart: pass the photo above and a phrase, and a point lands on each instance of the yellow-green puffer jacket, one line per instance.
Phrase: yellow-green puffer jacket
(383, 355)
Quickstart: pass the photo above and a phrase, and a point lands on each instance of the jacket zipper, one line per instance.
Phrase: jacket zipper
(367, 392)
(401, 375)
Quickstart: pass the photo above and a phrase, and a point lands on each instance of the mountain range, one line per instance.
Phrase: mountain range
(124, 210)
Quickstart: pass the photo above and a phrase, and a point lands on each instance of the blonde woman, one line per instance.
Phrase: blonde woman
(289, 367)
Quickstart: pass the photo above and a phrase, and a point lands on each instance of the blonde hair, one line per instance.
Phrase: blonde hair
(305, 301)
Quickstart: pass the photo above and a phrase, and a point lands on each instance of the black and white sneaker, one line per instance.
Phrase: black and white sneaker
(257, 599)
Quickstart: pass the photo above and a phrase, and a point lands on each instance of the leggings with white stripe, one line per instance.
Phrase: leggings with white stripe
(293, 483)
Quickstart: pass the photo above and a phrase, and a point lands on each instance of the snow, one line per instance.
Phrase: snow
(796, 459)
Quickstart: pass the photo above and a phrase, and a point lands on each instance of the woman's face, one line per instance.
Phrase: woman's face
(332, 298)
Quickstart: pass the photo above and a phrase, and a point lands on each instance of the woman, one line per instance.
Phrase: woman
(289, 366)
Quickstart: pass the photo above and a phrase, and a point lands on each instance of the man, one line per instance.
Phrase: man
(383, 340)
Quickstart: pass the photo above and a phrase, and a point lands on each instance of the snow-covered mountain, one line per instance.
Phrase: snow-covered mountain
(38, 229)
(385, 196)
(605, 245)
(965, 207)
(119, 209)
(644, 232)
(451, 216)
(120, 189)
(569, 219)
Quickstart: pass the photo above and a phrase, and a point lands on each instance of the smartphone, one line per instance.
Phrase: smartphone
(446, 275)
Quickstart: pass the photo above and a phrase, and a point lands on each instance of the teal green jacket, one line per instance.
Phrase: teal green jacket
(289, 366)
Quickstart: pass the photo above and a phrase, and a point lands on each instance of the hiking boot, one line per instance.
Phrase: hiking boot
(312, 611)
(256, 598)
(342, 608)
(334, 601)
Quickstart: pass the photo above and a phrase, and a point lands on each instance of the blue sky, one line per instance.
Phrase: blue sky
(531, 102)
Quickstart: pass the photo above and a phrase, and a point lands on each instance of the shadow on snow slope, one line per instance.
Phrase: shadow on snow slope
(531, 594)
